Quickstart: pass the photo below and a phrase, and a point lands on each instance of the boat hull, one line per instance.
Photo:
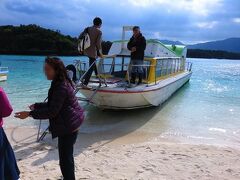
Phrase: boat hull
(3, 77)
(152, 95)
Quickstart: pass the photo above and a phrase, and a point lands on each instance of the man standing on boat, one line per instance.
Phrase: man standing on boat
(95, 48)
(137, 46)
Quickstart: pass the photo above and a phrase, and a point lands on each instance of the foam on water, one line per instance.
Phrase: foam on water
(207, 108)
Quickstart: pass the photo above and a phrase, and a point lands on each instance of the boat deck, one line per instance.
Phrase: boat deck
(117, 84)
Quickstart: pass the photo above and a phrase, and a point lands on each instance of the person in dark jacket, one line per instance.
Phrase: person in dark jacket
(63, 111)
(137, 46)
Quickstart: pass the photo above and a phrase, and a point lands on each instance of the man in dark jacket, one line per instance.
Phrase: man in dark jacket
(137, 45)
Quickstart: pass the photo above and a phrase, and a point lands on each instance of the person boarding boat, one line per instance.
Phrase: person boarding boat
(94, 50)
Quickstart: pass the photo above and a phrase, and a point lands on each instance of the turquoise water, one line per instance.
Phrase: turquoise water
(207, 109)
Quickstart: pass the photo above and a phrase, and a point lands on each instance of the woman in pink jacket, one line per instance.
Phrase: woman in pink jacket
(8, 166)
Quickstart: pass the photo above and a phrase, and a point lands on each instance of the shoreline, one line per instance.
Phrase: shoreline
(124, 157)
(79, 55)
(51, 54)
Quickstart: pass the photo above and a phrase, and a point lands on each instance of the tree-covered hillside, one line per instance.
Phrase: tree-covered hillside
(209, 54)
(33, 39)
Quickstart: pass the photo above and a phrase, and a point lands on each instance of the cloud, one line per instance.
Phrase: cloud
(201, 7)
(184, 20)
(236, 20)
(207, 25)
(23, 6)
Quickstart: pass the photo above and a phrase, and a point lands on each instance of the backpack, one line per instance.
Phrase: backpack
(84, 41)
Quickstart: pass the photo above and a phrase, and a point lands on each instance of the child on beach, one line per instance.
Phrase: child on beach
(8, 165)
(63, 111)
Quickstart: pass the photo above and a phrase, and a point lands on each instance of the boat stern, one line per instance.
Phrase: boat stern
(115, 99)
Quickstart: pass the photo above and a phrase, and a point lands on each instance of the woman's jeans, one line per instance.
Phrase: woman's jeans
(8, 165)
(66, 160)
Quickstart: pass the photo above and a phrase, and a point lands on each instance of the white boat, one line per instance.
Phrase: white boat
(3, 73)
(165, 71)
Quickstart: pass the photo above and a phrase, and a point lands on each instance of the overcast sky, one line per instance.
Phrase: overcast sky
(188, 21)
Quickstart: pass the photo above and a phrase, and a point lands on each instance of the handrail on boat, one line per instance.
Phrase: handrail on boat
(164, 58)
(84, 71)
(173, 67)
(189, 66)
(81, 78)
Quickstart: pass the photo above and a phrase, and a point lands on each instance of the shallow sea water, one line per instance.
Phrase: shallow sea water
(205, 110)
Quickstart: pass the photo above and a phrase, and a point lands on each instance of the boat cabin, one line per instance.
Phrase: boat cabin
(160, 62)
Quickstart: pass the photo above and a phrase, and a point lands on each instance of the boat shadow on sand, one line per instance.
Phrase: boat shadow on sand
(99, 129)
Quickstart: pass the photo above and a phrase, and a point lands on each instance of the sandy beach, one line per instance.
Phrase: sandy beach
(124, 157)
(153, 86)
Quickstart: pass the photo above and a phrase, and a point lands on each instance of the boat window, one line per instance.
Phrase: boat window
(174, 65)
(159, 68)
(178, 65)
(182, 65)
(164, 67)
(169, 66)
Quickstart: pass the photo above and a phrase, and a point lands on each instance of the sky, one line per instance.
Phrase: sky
(188, 21)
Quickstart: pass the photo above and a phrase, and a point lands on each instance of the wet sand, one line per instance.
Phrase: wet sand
(124, 155)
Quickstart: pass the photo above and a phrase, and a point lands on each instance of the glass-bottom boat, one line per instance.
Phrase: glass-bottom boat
(165, 71)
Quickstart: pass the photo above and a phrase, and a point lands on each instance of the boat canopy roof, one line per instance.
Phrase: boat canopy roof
(154, 49)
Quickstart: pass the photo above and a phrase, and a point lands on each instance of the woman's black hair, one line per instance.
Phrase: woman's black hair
(59, 68)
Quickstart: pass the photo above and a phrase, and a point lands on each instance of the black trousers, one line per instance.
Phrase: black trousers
(66, 159)
(89, 73)
(8, 165)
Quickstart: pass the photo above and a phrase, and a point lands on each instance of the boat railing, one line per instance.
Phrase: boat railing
(188, 66)
(165, 58)
(84, 71)
(101, 65)
(164, 66)
(81, 67)
(172, 65)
